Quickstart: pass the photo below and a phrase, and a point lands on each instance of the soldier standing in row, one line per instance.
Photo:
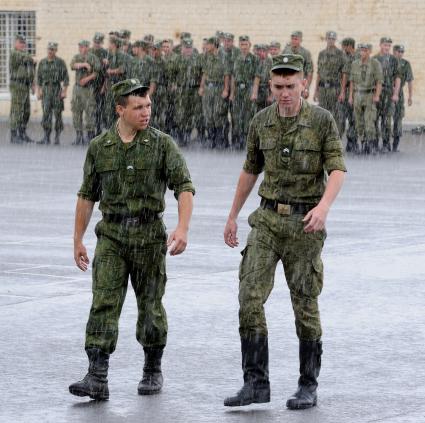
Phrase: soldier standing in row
(169, 75)
(241, 90)
(329, 86)
(52, 86)
(349, 47)
(86, 67)
(295, 47)
(274, 48)
(143, 66)
(21, 70)
(99, 83)
(261, 90)
(389, 95)
(160, 96)
(365, 90)
(214, 90)
(406, 76)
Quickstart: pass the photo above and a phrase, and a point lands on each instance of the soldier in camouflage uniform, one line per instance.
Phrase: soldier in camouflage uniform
(52, 85)
(99, 83)
(296, 145)
(115, 72)
(295, 47)
(128, 170)
(21, 71)
(188, 115)
(389, 95)
(349, 47)
(406, 76)
(170, 81)
(159, 113)
(86, 66)
(329, 88)
(261, 90)
(274, 48)
(365, 89)
(243, 106)
(214, 90)
(143, 66)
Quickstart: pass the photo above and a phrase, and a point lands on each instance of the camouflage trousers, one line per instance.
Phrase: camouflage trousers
(52, 106)
(365, 116)
(138, 253)
(159, 108)
(328, 99)
(19, 105)
(215, 107)
(275, 238)
(348, 121)
(83, 103)
(384, 115)
(243, 110)
(188, 109)
(398, 117)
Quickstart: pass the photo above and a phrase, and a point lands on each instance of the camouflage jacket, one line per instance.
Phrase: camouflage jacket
(127, 178)
(143, 70)
(295, 161)
(117, 60)
(188, 71)
(365, 76)
(263, 71)
(52, 72)
(405, 72)
(92, 60)
(308, 62)
(245, 68)
(390, 70)
(330, 65)
(215, 67)
(101, 53)
(21, 67)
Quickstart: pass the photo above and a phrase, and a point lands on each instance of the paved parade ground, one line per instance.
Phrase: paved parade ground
(372, 304)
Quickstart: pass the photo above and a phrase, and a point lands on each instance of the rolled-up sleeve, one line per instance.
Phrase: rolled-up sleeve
(90, 188)
(254, 162)
(332, 148)
(177, 174)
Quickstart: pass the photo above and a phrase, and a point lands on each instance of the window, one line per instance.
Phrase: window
(12, 23)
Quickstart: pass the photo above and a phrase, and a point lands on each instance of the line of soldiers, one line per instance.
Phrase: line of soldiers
(215, 92)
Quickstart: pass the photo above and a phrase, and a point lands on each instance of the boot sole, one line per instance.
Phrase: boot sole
(148, 391)
(243, 403)
(93, 395)
(301, 407)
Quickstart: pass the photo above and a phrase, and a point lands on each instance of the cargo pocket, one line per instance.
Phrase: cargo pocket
(109, 272)
(108, 171)
(316, 277)
(307, 158)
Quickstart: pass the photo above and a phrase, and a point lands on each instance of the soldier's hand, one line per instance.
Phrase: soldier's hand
(341, 97)
(305, 93)
(224, 94)
(39, 94)
(375, 98)
(105, 62)
(80, 256)
(201, 92)
(409, 102)
(350, 101)
(177, 241)
(315, 97)
(254, 97)
(394, 98)
(230, 233)
(63, 95)
(83, 82)
(315, 219)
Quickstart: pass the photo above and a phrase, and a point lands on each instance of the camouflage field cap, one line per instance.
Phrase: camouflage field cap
(275, 44)
(229, 36)
(84, 43)
(157, 45)
(51, 45)
(141, 43)
(124, 33)
(116, 40)
(219, 34)
(399, 47)
(288, 61)
(214, 41)
(98, 37)
(297, 33)
(243, 38)
(20, 37)
(348, 41)
(262, 47)
(149, 38)
(385, 40)
(331, 35)
(362, 45)
(184, 35)
(126, 87)
(187, 42)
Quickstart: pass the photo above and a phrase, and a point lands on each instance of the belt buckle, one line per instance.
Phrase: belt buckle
(132, 221)
(327, 85)
(242, 85)
(210, 84)
(284, 209)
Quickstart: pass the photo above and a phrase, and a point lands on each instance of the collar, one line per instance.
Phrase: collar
(303, 115)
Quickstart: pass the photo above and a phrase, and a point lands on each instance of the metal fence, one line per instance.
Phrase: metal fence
(12, 23)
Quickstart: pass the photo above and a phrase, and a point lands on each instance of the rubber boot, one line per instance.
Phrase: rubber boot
(23, 135)
(152, 380)
(46, 137)
(255, 367)
(57, 138)
(395, 144)
(310, 362)
(79, 138)
(14, 137)
(95, 382)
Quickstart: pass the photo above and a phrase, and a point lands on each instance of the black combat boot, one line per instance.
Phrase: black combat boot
(310, 361)
(90, 136)
(57, 138)
(212, 137)
(386, 147)
(255, 367)
(395, 144)
(14, 137)
(78, 138)
(46, 137)
(23, 135)
(95, 382)
(152, 380)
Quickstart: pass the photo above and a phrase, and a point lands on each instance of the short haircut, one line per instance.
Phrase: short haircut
(123, 99)
(286, 72)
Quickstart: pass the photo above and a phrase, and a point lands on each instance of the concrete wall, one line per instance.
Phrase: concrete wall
(68, 21)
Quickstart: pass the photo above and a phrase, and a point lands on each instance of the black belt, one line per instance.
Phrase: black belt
(329, 84)
(286, 209)
(147, 217)
(372, 90)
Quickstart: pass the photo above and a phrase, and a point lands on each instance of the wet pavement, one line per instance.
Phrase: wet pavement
(372, 302)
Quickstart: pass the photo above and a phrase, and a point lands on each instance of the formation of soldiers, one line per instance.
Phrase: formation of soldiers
(213, 94)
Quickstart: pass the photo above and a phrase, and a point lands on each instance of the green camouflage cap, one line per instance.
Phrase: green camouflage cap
(385, 40)
(213, 40)
(116, 40)
(297, 33)
(187, 42)
(51, 45)
(20, 37)
(141, 43)
(157, 45)
(362, 45)
(331, 35)
(288, 61)
(126, 87)
(243, 38)
(114, 33)
(98, 37)
(84, 43)
(398, 47)
(262, 47)
(184, 35)
(149, 38)
(219, 34)
(348, 41)
(229, 36)
(275, 44)
(124, 33)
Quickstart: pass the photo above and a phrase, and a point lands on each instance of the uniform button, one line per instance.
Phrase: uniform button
(130, 167)
(145, 141)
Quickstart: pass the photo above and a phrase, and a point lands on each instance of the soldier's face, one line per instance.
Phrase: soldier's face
(364, 53)
(228, 43)
(83, 50)
(330, 42)
(262, 54)
(274, 51)
(51, 53)
(385, 48)
(166, 48)
(137, 113)
(244, 46)
(295, 41)
(287, 90)
(20, 45)
(187, 51)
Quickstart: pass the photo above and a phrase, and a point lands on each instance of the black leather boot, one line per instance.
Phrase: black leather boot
(23, 135)
(395, 144)
(78, 138)
(310, 361)
(95, 382)
(152, 379)
(386, 147)
(57, 138)
(255, 366)
(46, 137)
(14, 137)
